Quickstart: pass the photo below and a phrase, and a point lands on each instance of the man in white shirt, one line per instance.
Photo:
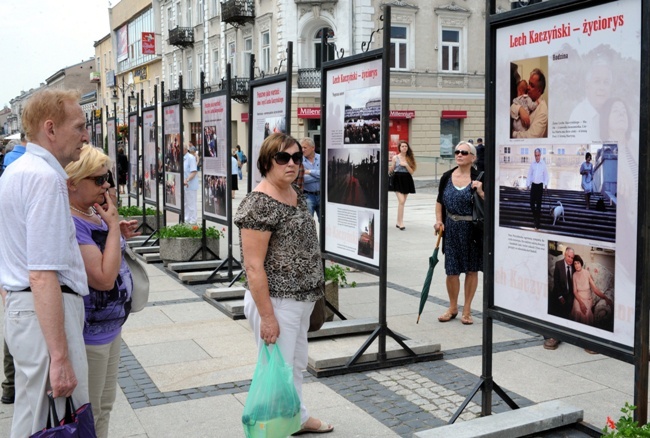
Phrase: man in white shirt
(190, 172)
(42, 269)
(537, 183)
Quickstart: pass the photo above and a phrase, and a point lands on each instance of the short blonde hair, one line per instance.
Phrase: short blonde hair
(472, 148)
(91, 160)
(47, 104)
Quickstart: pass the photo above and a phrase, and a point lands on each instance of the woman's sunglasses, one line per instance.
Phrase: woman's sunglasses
(460, 152)
(283, 158)
(99, 180)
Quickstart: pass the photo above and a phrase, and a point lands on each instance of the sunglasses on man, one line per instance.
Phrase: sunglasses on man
(283, 158)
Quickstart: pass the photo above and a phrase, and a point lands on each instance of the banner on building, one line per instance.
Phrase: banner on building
(148, 43)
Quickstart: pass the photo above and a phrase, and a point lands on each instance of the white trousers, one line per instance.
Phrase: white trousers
(32, 360)
(190, 206)
(103, 363)
(293, 318)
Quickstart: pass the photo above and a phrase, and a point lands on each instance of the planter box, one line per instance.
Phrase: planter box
(332, 297)
(180, 249)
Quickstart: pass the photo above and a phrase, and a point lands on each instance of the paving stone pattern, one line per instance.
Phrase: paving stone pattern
(406, 399)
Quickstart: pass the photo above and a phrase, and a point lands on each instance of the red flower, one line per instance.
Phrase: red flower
(195, 227)
(610, 423)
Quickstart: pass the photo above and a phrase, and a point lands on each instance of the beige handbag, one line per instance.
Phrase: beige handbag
(140, 293)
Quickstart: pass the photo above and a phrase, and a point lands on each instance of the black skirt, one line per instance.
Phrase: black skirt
(403, 183)
(234, 182)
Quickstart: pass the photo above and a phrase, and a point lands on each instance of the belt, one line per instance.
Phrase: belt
(457, 217)
(65, 289)
(311, 193)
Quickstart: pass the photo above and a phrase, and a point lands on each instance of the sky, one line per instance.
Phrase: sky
(40, 37)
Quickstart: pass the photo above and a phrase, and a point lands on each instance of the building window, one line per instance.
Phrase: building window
(188, 14)
(317, 46)
(201, 68)
(232, 51)
(450, 51)
(215, 67)
(523, 151)
(265, 52)
(506, 150)
(561, 151)
(171, 18)
(524, 159)
(398, 48)
(449, 136)
(248, 51)
(216, 5)
(199, 11)
(506, 159)
(190, 74)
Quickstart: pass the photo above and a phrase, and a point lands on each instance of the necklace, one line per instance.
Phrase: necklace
(93, 212)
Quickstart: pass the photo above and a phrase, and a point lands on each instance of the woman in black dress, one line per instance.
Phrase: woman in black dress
(454, 218)
(122, 169)
(403, 165)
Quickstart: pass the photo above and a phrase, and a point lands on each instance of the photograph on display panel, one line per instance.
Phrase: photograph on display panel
(214, 122)
(572, 183)
(150, 158)
(112, 147)
(173, 189)
(134, 162)
(353, 150)
(269, 116)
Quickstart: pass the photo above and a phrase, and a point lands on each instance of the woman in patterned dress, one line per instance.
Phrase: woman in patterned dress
(454, 218)
(281, 256)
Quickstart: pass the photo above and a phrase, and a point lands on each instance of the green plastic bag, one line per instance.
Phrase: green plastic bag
(272, 408)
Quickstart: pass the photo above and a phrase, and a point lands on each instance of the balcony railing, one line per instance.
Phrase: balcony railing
(238, 12)
(309, 78)
(187, 99)
(181, 36)
(239, 88)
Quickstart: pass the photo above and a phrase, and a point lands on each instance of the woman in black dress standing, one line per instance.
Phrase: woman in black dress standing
(403, 165)
(122, 169)
(454, 218)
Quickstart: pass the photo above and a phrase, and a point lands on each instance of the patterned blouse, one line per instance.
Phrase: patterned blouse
(293, 263)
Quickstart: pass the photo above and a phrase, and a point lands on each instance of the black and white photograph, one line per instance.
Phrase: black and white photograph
(215, 194)
(362, 118)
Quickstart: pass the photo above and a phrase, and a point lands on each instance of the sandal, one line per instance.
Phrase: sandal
(467, 319)
(323, 428)
(447, 316)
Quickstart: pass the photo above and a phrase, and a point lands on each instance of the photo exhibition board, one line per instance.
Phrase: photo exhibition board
(215, 157)
(353, 151)
(152, 164)
(269, 116)
(133, 155)
(589, 61)
(173, 156)
(111, 144)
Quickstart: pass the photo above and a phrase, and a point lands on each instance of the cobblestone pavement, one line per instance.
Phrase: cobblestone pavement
(406, 399)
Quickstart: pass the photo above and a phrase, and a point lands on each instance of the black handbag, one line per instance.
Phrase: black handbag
(317, 318)
(478, 215)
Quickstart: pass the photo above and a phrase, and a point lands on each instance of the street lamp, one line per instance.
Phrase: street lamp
(123, 90)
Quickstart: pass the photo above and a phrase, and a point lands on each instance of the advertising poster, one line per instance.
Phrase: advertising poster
(567, 169)
(134, 174)
(112, 146)
(152, 166)
(215, 157)
(353, 124)
(173, 155)
(269, 116)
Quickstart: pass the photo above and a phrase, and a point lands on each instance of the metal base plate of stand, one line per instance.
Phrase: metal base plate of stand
(406, 351)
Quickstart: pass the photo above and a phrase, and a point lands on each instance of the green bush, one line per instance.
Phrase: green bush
(135, 210)
(626, 426)
(185, 230)
(336, 273)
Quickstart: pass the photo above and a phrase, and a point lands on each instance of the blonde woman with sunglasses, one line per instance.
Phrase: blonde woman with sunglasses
(281, 256)
(454, 219)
